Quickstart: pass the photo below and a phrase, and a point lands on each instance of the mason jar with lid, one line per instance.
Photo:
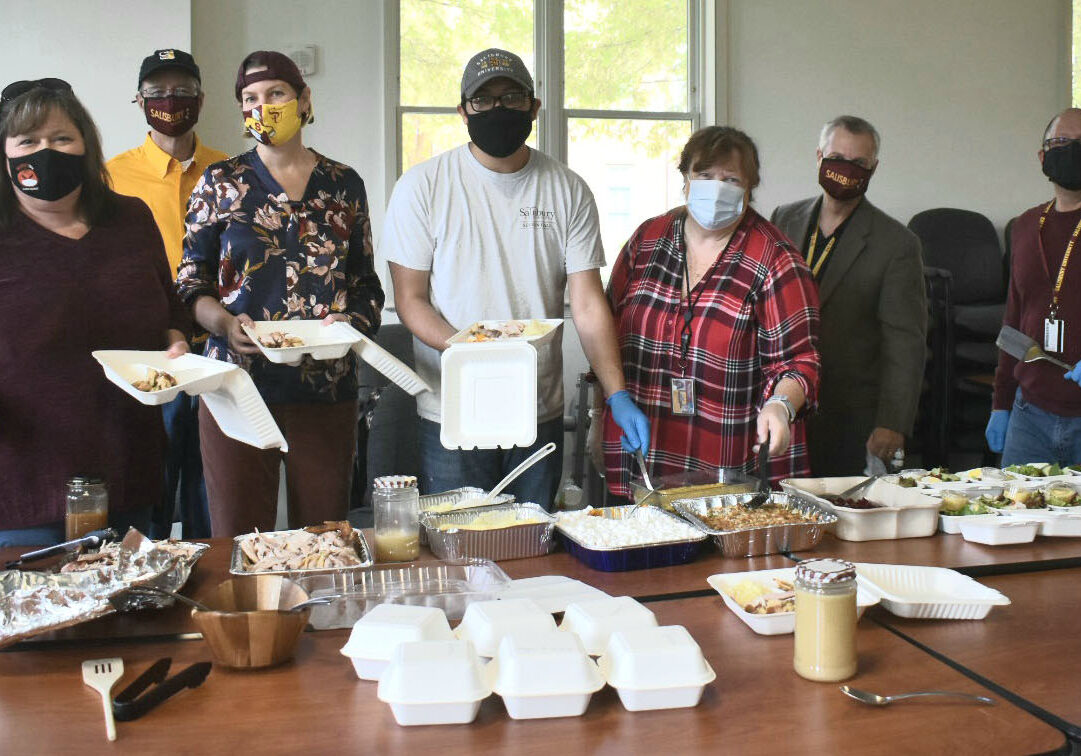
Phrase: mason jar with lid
(87, 506)
(396, 505)
(825, 638)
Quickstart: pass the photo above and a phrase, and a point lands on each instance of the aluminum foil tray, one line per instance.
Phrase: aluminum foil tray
(360, 546)
(692, 484)
(514, 542)
(759, 541)
(455, 499)
(448, 585)
(625, 558)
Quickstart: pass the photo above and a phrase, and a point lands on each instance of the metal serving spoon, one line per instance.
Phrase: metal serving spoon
(876, 700)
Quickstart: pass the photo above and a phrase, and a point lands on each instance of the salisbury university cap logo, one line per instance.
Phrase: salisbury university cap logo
(494, 62)
(166, 54)
(25, 176)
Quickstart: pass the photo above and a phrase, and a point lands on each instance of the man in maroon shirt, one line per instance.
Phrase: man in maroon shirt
(1036, 415)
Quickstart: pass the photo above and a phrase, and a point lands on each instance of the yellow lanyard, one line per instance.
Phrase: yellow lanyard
(1043, 257)
(817, 266)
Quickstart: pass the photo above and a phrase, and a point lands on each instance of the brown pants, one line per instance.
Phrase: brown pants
(242, 481)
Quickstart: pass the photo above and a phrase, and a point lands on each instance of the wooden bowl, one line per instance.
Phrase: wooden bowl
(248, 628)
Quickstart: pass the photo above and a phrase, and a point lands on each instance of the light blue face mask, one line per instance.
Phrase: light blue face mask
(714, 204)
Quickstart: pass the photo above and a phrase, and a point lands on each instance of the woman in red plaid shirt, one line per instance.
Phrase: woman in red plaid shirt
(718, 325)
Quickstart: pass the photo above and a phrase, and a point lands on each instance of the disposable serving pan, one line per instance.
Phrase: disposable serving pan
(692, 484)
(358, 542)
(467, 497)
(530, 539)
(765, 539)
(905, 512)
(448, 585)
(624, 558)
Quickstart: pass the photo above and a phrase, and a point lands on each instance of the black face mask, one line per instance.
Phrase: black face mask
(47, 174)
(1063, 166)
(500, 132)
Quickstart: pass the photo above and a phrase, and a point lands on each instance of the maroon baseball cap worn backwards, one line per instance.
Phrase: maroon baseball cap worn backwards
(278, 66)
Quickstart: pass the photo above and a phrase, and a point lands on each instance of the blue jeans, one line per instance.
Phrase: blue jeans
(444, 469)
(53, 532)
(183, 473)
(1036, 435)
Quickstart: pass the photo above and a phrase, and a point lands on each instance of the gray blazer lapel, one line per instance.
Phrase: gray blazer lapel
(802, 216)
(852, 242)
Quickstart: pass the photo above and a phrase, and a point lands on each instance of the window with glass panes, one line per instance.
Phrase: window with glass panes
(617, 80)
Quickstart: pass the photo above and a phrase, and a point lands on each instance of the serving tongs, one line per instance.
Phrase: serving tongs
(132, 703)
(1021, 347)
(762, 496)
(95, 539)
(850, 493)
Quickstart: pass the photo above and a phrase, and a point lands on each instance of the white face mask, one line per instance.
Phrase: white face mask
(714, 204)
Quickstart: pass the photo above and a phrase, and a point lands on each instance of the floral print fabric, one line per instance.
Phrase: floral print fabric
(259, 253)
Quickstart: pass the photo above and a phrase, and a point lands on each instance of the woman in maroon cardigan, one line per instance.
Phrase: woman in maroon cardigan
(81, 268)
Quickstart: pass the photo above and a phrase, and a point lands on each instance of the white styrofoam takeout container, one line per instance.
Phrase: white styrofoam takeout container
(1052, 522)
(780, 623)
(378, 633)
(485, 623)
(241, 413)
(907, 512)
(552, 324)
(951, 524)
(544, 674)
(656, 668)
(488, 395)
(995, 530)
(194, 374)
(929, 592)
(595, 621)
(322, 342)
(434, 682)
(552, 593)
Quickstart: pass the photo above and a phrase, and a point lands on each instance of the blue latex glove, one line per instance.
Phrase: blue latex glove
(634, 424)
(996, 429)
(1075, 374)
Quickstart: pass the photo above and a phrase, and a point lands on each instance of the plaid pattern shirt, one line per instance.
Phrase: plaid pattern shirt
(755, 323)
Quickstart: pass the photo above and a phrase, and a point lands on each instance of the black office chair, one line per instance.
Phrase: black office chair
(965, 244)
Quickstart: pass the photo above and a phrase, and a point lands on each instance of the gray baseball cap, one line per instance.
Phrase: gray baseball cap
(494, 63)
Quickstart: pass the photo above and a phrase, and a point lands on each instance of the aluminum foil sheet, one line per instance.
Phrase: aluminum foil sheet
(90, 585)
(530, 539)
(766, 539)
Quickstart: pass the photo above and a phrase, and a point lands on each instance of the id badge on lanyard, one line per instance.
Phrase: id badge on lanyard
(683, 399)
(1054, 335)
(1054, 329)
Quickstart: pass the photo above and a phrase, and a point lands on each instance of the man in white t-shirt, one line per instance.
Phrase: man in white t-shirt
(496, 230)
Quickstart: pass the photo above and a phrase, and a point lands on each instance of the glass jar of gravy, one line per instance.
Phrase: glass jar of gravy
(825, 638)
(87, 507)
(396, 505)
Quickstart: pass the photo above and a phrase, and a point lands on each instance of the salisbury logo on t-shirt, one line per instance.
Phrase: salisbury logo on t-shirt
(534, 217)
(25, 175)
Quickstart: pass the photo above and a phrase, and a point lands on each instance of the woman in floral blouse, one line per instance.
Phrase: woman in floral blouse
(718, 325)
(280, 233)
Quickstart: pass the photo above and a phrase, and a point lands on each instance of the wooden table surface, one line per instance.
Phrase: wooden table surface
(315, 704)
(1032, 647)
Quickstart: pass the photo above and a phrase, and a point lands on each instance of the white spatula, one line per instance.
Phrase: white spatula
(101, 675)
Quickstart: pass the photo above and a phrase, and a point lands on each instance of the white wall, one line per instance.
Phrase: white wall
(960, 90)
(347, 89)
(96, 46)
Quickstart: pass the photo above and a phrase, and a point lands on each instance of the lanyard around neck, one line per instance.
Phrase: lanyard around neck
(692, 301)
(1057, 288)
(817, 266)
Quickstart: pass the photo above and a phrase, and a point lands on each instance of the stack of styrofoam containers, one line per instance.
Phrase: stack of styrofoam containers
(543, 674)
(377, 635)
(434, 682)
(656, 668)
(595, 621)
(486, 623)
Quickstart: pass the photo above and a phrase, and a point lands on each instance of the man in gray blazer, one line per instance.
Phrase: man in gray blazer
(870, 284)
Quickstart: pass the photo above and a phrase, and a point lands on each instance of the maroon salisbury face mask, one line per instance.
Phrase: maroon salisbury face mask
(171, 115)
(843, 179)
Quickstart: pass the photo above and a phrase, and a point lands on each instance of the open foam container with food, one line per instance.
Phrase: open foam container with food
(928, 592)
(772, 591)
(535, 330)
(377, 634)
(784, 523)
(321, 342)
(194, 374)
(656, 668)
(595, 621)
(904, 512)
(434, 682)
(543, 674)
(606, 539)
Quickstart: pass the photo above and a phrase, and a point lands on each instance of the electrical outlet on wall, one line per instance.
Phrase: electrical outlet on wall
(304, 57)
